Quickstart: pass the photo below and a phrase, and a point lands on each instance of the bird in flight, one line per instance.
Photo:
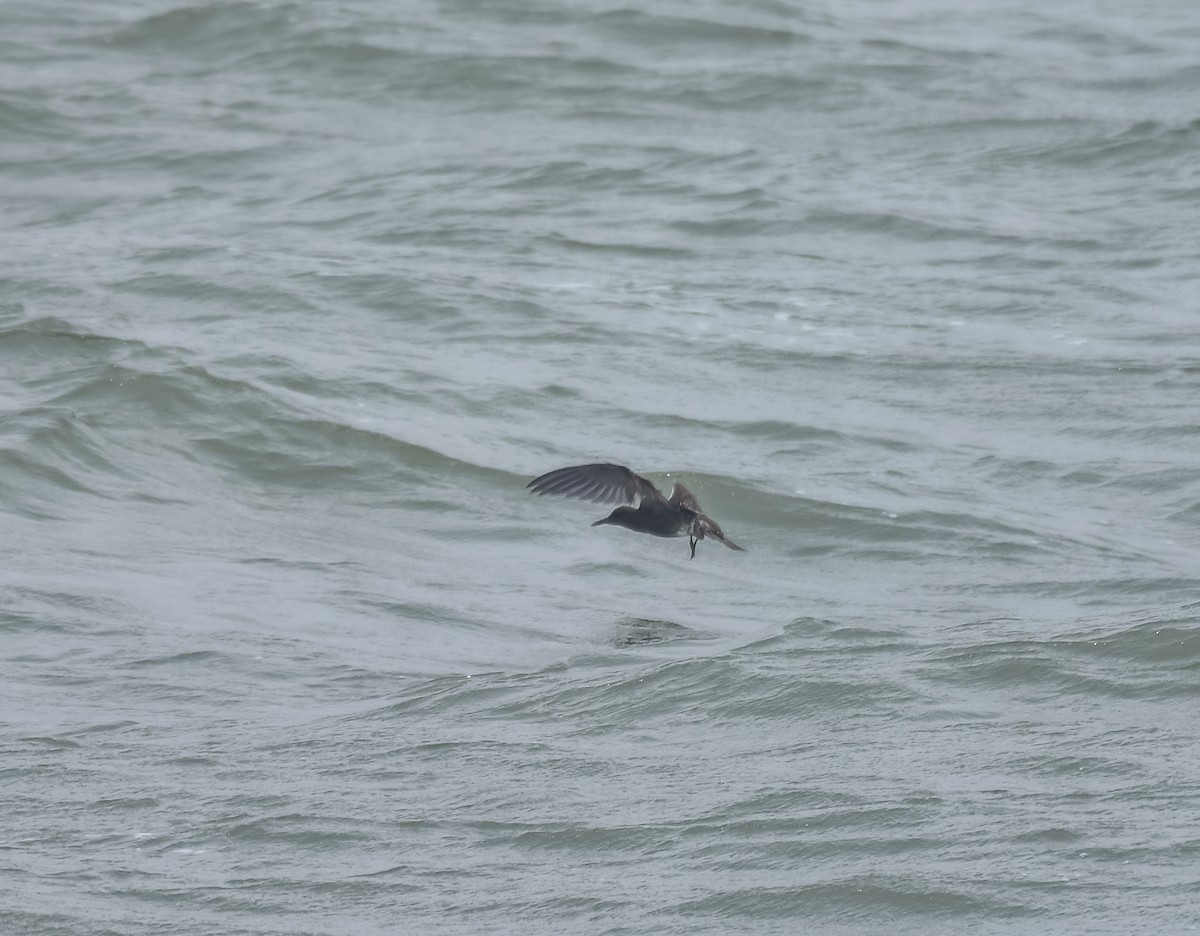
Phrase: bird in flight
(676, 515)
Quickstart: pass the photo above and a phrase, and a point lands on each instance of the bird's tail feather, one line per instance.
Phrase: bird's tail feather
(707, 527)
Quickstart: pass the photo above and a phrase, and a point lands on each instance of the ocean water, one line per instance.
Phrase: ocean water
(295, 299)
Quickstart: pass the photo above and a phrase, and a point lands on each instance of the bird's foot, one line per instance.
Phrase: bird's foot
(692, 541)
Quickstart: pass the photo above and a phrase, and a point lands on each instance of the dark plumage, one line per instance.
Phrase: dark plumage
(615, 484)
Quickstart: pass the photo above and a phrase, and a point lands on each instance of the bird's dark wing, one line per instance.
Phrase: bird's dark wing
(603, 484)
(682, 497)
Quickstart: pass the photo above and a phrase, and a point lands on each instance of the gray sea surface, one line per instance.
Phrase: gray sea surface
(296, 297)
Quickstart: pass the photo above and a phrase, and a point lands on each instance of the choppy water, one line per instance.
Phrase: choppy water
(295, 299)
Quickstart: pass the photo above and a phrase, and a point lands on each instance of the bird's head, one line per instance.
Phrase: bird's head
(619, 517)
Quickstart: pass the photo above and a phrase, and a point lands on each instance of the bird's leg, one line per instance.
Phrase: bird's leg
(692, 541)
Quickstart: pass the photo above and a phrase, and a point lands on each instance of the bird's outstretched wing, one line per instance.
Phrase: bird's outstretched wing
(682, 497)
(602, 484)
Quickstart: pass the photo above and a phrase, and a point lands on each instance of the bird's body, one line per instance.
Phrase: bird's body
(677, 515)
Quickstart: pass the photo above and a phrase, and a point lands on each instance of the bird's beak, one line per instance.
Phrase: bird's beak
(601, 521)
